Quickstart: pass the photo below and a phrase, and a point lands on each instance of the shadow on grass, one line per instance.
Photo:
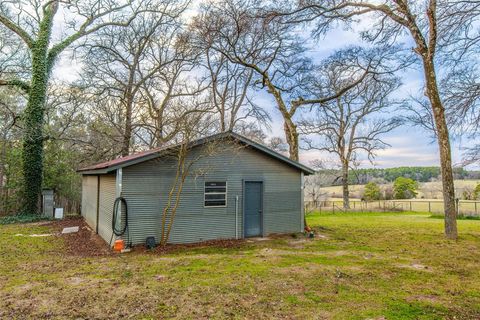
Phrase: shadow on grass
(460, 217)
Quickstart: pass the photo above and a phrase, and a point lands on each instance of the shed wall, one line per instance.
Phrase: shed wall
(107, 197)
(89, 200)
(145, 186)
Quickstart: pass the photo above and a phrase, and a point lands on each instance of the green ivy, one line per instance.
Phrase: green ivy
(34, 116)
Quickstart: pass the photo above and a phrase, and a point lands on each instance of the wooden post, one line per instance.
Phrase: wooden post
(410, 206)
(429, 207)
(476, 208)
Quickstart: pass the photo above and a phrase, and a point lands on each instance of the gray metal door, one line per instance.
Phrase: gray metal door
(253, 208)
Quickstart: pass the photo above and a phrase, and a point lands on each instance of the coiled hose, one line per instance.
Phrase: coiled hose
(117, 214)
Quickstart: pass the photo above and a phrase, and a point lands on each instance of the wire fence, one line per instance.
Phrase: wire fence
(464, 207)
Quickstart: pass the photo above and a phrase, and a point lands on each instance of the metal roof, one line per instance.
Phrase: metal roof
(109, 166)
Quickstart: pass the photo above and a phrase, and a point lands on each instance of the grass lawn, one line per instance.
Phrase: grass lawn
(365, 266)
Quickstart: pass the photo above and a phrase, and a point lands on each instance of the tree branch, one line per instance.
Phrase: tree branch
(84, 31)
(337, 95)
(12, 26)
(16, 83)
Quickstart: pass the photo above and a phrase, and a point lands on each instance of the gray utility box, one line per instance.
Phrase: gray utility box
(48, 203)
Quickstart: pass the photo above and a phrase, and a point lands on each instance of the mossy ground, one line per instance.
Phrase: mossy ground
(365, 266)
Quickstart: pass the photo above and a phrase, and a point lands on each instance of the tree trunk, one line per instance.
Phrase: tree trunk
(444, 149)
(346, 192)
(222, 118)
(33, 135)
(3, 159)
(127, 134)
(289, 127)
(291, 136)
(159, 129)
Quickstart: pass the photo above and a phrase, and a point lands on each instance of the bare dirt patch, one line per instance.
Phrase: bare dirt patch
(84, 243)
(416, 266)
(171, 248)
(423, 298)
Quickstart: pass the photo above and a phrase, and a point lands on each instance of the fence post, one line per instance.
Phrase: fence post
(410, 205)
(476, 208)
(429, 207)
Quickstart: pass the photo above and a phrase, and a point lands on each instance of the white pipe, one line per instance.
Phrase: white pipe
(236, 217)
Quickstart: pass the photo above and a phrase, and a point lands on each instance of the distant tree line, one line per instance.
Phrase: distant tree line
(388, 175)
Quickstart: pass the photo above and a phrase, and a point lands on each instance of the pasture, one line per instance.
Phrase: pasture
(359, 266)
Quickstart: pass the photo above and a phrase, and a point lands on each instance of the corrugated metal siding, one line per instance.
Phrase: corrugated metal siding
(107, 197)
(89, 200)
(145, 186)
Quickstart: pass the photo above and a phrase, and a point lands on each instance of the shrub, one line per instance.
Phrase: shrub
(476, 193)
(22, 218)
(372, 191)
(388, 192)
(405, 188)
(468, 194)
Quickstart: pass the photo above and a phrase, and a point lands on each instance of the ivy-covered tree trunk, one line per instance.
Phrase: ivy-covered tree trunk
(34, 117)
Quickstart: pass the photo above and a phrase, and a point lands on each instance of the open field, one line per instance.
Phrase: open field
(370, 265)
(427, 190)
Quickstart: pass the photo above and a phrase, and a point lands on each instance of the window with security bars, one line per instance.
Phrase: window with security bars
(215, 194)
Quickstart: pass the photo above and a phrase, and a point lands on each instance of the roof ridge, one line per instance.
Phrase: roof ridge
(123, 161)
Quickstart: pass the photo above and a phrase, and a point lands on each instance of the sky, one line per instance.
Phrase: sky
(409, 146)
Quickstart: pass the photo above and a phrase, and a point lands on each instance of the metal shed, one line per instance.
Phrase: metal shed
(241, 189)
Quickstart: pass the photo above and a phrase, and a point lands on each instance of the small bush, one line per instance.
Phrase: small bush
(405, 188)
(388, 192)
(372, 192)
(476, 193)
(22, 218)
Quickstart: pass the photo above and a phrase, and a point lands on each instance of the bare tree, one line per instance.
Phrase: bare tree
(187, 164)
(121, 62)
(162, 96)
(10, 105)
(351, 125)
(425, 23)
(183, 165)
(239, 31)
(269, 50)
(230, 86)
(33, 22)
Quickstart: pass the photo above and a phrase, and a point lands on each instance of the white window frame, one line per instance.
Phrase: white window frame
(226, 193)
